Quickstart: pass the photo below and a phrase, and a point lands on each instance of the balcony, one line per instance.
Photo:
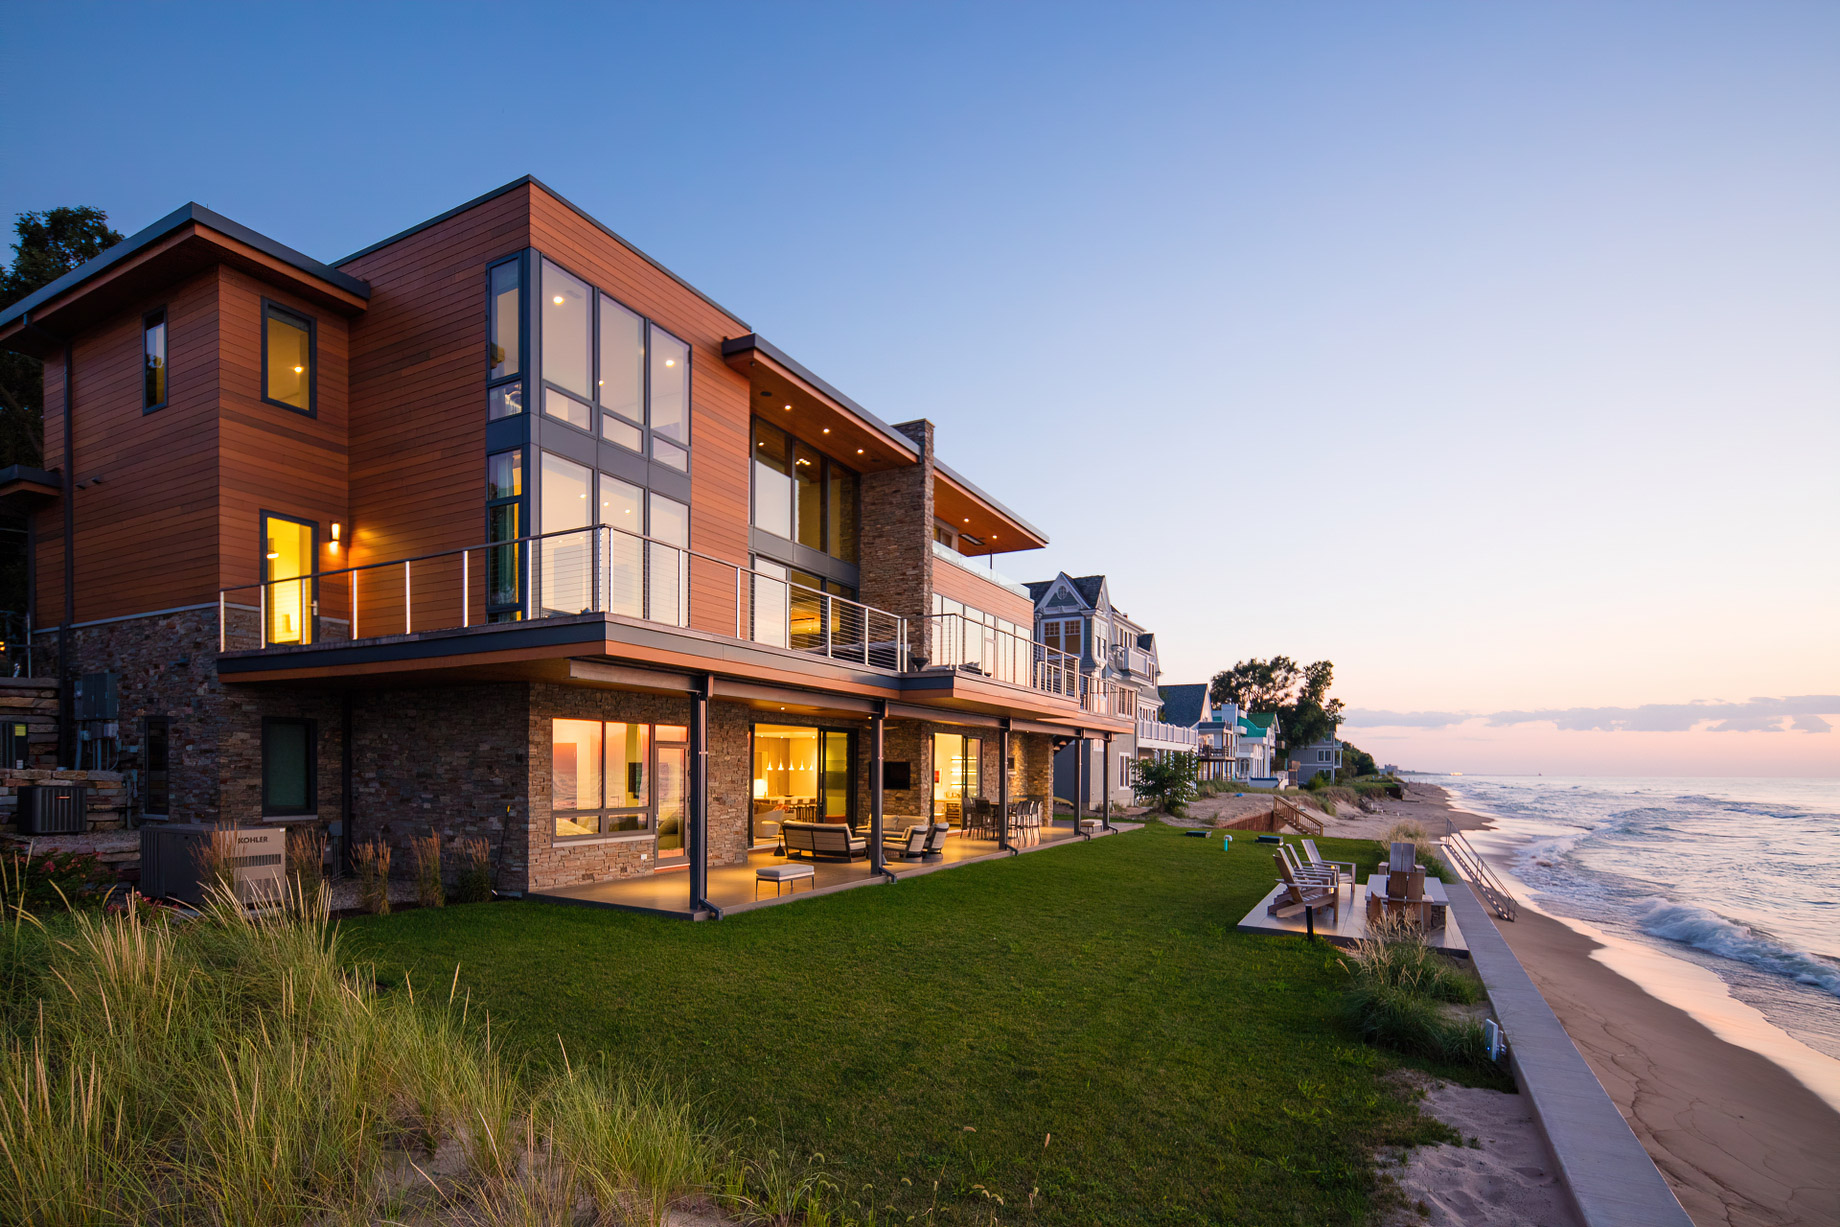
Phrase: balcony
(946, 553)
(1156, 735)
(537, 603)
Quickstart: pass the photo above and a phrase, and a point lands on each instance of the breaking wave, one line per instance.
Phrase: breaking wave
(1707, 930)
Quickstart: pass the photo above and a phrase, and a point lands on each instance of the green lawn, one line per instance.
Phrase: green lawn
(1077, 1032)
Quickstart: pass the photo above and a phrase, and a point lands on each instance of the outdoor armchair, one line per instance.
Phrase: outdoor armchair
(1345, 869)
(1303, 892)
(909, 845)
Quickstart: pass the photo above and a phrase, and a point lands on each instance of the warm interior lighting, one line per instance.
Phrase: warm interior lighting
(670, 362)
(272, 555)
(859, 451)
(557, 300)
(788, 406)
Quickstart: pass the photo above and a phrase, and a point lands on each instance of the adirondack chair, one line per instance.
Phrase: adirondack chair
(1345, 869)
(1308, 873)
(1303, 892)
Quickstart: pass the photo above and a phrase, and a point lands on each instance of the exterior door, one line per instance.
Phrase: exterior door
(835, 792)
(289, 548)
(673, 780)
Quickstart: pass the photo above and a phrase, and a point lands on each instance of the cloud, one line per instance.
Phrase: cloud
(1803, 713)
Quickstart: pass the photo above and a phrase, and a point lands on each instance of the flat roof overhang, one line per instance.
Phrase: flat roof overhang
(969, 510)
(625, 654)
(180, 244)
(788, 395)
(23, 487)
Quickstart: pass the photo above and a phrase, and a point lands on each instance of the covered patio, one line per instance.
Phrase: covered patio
(733, 888)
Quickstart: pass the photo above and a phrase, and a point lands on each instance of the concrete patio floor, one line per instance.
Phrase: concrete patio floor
(732, 888)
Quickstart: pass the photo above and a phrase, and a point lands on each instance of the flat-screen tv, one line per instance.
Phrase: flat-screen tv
(897, 775)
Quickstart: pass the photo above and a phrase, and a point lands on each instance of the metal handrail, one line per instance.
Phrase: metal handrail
(877, 633)
(962, 643)
(1471, 865)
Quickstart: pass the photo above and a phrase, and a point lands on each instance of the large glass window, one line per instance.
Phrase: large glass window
(505, 314)
(621, 386)
(566, 307)
(772, 481)
(670, 386)
(287, 358)
(771, 605)
(808, 482)
(566, 408)
(957, 774)
(600, 776)
(800, 775)
(670, 571)
(504, 522)
(153, 359)
(566, 561)
(623, 509)
(289, 778)
(287, 562)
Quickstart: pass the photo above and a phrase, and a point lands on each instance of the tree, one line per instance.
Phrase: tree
(1256, 685)
(1167, 783)
(50, 244)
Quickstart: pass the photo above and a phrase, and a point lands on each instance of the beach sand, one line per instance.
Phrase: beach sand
(1739, 1140)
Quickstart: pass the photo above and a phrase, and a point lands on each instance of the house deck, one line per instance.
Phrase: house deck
(735, 888)
(1345, 927)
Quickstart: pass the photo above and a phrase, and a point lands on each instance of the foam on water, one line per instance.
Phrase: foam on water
(1707, 930)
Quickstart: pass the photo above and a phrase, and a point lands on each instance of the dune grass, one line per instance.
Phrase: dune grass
(1077, 1035)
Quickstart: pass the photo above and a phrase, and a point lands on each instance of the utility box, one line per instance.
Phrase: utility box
(53, 809)
(98, 697)
(175, 860)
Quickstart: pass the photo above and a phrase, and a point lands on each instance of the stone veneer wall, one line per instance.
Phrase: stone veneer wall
(554, 862)
(897, 539)
(166, 665)
(903, 741)
(451, 760)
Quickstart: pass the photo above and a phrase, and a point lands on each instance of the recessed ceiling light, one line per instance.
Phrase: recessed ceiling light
(967, 519)
(299, 369)
(827, 430)
(670, 362)
(788, 406)
(859, 451)
(557, 300)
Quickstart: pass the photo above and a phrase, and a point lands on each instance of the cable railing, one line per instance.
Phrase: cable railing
(1470, 864)
(599, 569)
(959, 642)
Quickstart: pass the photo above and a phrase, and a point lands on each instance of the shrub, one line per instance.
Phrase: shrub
(1397, 990)
(306, 858)
(1166, 784)
(79, 879)
(429, 889)
(372, 861)
(473, 884)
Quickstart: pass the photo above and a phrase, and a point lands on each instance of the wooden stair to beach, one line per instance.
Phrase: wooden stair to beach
(1296, 816)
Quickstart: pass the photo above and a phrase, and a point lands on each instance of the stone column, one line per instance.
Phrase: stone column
(896, 540)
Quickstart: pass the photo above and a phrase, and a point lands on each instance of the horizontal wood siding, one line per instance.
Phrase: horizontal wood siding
(146, 530)
(418, 401)
(956, 585)
(719, 396)
(271, 458)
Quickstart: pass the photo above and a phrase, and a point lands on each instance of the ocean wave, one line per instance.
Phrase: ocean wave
(1707, 930)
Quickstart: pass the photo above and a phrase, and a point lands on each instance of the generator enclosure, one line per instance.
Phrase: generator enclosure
(175, 860)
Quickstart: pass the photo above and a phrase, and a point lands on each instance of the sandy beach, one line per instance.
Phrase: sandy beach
(1739, 1139)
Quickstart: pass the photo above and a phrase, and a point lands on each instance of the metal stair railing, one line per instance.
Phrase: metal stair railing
(1470, 864)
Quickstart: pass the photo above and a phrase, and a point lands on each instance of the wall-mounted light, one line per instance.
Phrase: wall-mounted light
(334, 546)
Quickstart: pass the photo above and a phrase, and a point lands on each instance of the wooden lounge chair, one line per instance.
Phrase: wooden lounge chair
(1323, 874)
(1301, 892)
(909, 845)
(1344, 869)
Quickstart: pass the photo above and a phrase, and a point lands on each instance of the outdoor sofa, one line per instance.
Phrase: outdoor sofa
(827, 841)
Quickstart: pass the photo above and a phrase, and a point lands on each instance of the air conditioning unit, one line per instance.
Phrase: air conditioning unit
(174, 860)
(53, 809)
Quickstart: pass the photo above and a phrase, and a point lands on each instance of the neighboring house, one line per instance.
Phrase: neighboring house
(1218, 742)
(1257, 746)
(630, 580)
(1318, 758)
(1186, 711)
(1075, 616)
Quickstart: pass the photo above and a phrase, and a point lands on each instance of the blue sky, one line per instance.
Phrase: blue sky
(1487, 350)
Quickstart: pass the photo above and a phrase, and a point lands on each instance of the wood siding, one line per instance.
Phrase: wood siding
(719, 465)
(957, 585)
(418, 396)
(271, 458)
(147, 533)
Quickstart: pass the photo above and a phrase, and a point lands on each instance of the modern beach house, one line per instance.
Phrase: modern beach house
(499, 529)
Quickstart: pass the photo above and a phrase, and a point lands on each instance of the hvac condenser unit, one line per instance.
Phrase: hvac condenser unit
(175, 860)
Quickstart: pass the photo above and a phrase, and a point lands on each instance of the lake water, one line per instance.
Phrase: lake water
(1738, 877)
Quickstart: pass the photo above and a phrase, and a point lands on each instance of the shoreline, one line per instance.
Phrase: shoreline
(1739, 1139)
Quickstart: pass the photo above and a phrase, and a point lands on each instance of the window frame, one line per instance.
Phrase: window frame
(270, 308)
(523, 326)
(148, 724)
(647, 813)
(263, 516)
(165, 357)
(312, 782)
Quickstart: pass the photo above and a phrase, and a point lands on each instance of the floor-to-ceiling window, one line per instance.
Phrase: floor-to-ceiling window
(801, 774)
(288, 549)
(957, 774)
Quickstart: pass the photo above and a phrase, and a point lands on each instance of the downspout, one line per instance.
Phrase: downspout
(67, 724)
